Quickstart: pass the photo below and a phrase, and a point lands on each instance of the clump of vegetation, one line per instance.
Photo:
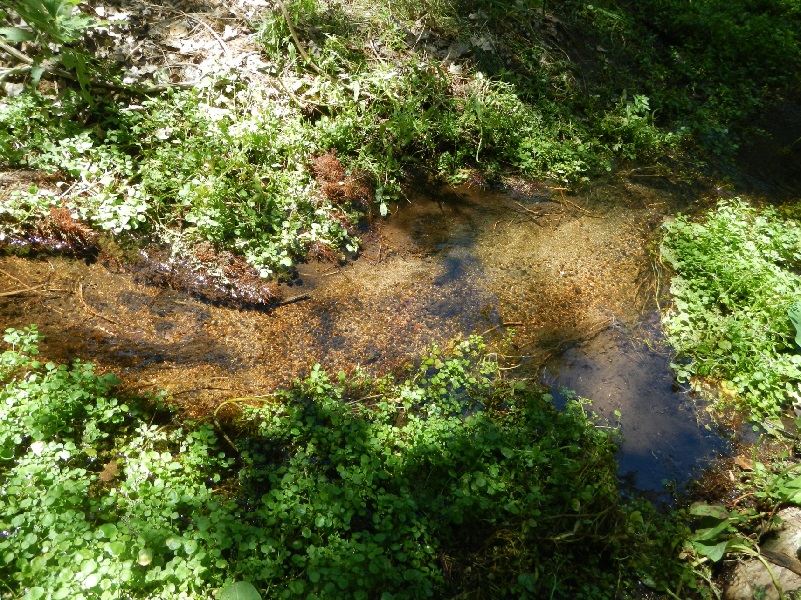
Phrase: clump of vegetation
(757, 489)
(230, 164)
(389, 88)
(453, 481)
(202, 162)
(736, 278)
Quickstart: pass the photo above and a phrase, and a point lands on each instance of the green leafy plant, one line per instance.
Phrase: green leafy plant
(735, 278)
(794, 314)
(718, 532)
(766, 486)
(57, 21)
(452, 481)
(55, 26)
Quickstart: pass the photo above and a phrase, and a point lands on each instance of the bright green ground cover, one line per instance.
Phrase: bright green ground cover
(736, 279)
(454, 481)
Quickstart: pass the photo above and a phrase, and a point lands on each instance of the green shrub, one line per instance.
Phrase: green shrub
(736, 276)
(454, 481)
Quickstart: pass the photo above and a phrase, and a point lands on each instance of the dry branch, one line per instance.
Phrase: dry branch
(94, 83)
(22, 291)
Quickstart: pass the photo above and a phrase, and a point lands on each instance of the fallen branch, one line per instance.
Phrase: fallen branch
(202, 388)
(517, 323)
(298, 45)
(22, 291)
(293, 299)
(79, 295)
(6, 73)
(576, 206)
(528, 210)
(10, 276)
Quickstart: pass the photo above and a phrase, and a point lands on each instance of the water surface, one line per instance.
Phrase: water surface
(569, 273)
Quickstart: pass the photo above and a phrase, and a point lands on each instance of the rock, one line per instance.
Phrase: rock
(458, 50)
(751, 579)
(12, 90)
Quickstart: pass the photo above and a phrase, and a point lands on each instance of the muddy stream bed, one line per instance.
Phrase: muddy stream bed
(571, 274)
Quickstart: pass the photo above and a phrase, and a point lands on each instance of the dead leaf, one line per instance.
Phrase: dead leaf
(109, 471)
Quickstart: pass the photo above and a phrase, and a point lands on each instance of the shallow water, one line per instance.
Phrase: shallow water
(569, 273)
(667, 434)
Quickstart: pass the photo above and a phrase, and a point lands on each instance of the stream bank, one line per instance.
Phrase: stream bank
(570, 274)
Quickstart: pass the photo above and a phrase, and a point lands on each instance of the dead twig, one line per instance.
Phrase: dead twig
(514, 324)
(293, 299)
(298, 45)
(202, 388)
(79, 295)
(22, 291)
(576, 206)
(94, 83)
(10, 276)
(208, 28)
(234, 401)
(528, 210)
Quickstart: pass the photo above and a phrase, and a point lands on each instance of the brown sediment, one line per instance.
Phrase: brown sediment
(434, 271)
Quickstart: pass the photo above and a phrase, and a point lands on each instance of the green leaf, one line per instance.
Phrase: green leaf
(16, 34)
(116, 548)
(713, 553)
(145, 557)
(240, 590)
(37, 71)
(794, 312)
(706, 510)
(109, 530)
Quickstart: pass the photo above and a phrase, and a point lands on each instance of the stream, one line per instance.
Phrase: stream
(570, 274)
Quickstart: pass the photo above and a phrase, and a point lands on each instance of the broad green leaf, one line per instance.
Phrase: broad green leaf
(706, 510)
(794, 312)
(109, 530)
(713, 553)
(16, 34)
(37, 71)
(145, 557)
(240, 590)
(712, 532)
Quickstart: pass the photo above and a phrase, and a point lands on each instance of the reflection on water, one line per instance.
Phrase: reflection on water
(666, 437)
